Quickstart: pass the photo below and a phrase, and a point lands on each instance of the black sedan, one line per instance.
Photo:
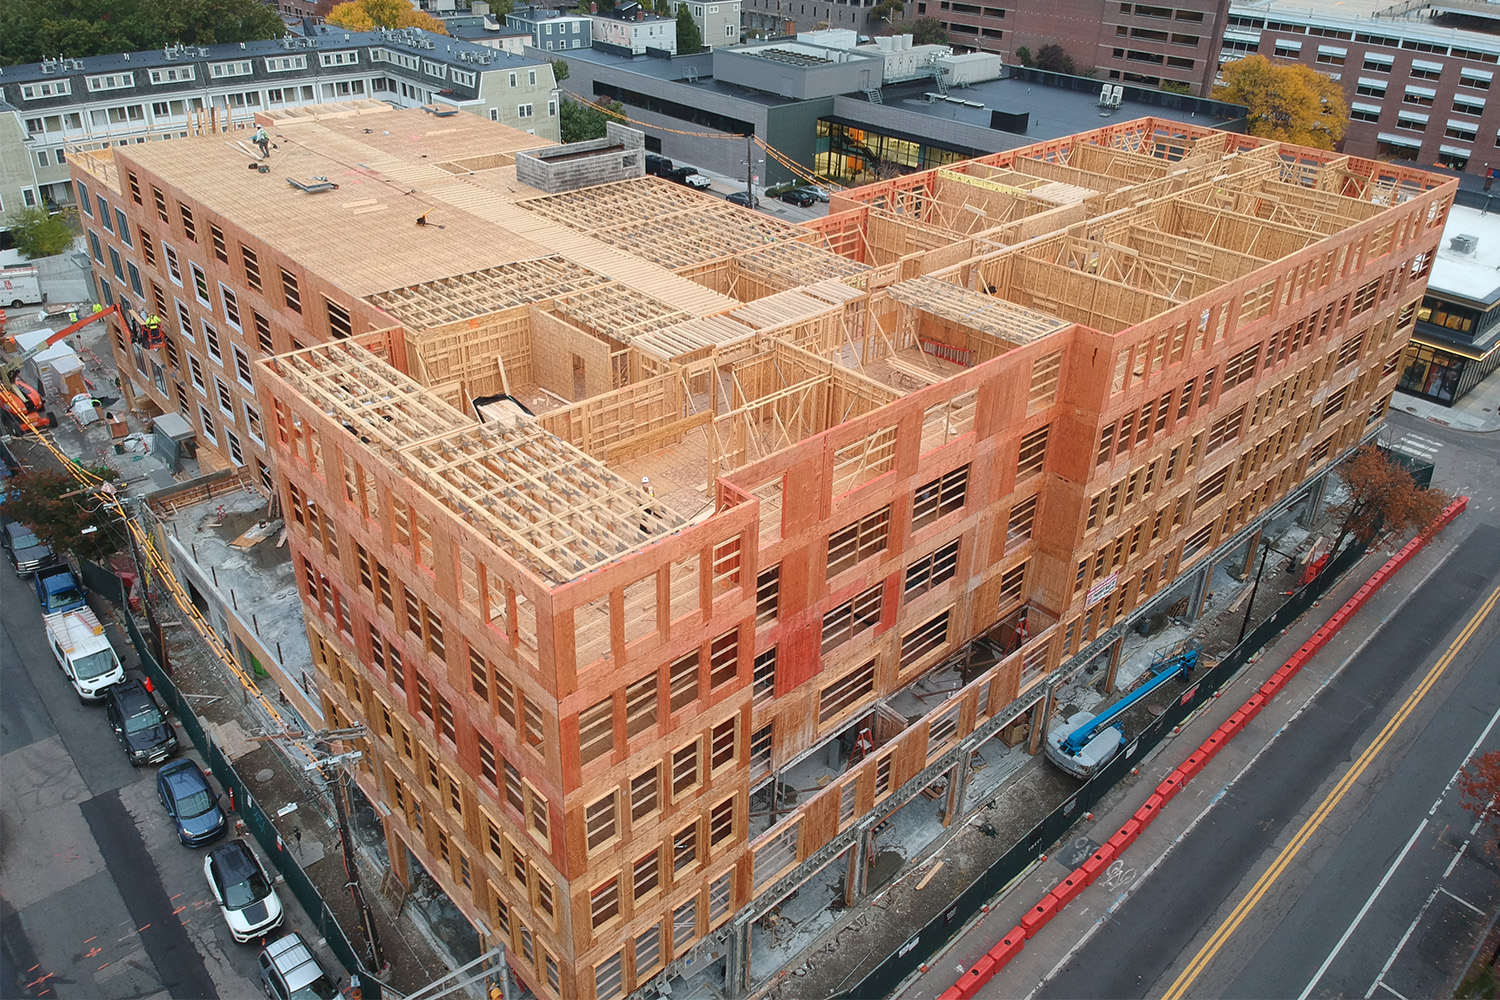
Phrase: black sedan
(139, 723)
(743, 198)
(798, 196)
(189, 799)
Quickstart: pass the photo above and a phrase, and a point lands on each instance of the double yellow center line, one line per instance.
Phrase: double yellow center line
(1289, 853)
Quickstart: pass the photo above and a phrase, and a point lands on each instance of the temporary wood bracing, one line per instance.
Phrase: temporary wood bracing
(558, 509)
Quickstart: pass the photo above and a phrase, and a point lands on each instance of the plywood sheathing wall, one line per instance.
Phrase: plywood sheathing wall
(469, 349)
(563, 348)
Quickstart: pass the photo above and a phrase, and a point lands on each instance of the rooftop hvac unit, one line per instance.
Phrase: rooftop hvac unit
(1104, 95)
(1464, 243)
(1118, 97)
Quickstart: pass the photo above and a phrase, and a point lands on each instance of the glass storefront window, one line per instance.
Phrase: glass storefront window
(858, 156)
(1432, 373)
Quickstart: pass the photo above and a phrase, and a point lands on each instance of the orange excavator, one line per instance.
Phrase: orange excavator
(21, 404)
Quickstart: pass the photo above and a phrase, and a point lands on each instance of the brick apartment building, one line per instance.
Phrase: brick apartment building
(1143, 44)
(901, 482)
(1417, 81)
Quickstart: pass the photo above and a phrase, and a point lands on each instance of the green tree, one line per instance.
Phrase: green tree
(1053, 58)
(928, 31)
(689, 38)
(1290, 103)
(40, 234)
(50, 503)
(363, 15)
(883, 14)
(579, 122)
(1176, 87)
(1023, 56)
(559, 70)
(35, 29)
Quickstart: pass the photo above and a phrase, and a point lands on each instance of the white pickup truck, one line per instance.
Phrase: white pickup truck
(83, 652)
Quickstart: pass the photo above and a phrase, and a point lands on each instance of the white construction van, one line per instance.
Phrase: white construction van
(83, 652)
(19, 285)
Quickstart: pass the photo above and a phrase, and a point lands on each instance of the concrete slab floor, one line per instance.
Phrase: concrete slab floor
(256, 583)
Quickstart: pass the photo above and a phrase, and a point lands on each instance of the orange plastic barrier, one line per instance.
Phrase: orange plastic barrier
(1008, 948)
(1069, 888)
(979, 973)
(1171, 785)
(1037, 917)
(971, 981)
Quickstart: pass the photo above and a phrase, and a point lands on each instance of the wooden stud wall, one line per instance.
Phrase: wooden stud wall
(1093, 321)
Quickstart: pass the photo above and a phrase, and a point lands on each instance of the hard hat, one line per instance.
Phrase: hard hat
(645, 480)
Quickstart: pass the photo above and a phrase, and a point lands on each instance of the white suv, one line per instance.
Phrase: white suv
(245, 895)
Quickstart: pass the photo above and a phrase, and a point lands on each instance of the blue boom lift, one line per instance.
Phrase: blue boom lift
(1086, 742)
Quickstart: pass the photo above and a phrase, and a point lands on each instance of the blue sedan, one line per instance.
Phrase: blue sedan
(191, 802)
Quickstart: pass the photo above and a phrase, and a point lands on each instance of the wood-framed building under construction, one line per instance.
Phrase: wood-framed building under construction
(1016, 398)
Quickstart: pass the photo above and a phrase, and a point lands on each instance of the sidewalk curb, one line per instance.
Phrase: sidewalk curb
(1013, 942)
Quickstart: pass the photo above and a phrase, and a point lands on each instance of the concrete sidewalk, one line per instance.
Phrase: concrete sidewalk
(1056, 941)
(1479, 411)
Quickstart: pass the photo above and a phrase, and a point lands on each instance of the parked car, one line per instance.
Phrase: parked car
(689, 176)
(58, 589)
(743, 198)
(243, 891)
(290, 971)
(817, 191)
(797, 196)
(191, 802)
(139, 723)
(26, 551)
(658, 165)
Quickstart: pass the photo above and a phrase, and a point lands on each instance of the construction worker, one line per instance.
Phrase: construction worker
(153, 330)
(648, 510)
(263, 141)
(97, 308)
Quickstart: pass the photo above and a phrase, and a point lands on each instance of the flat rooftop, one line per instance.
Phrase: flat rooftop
(1380, 17)
(385, 166)
(1054, 111)
(326, 38)
(1473, 275)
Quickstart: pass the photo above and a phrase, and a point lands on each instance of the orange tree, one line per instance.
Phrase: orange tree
(1289, 102)
(363, 15)
(1479, 783)
(1381, 500)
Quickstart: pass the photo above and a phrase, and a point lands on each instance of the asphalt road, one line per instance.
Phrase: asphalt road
(97, 898)
(1306, 929)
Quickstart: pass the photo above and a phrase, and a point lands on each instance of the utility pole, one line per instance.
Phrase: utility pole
(322, 759)
(356, 890)
(750, 169)
(1250, 605)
